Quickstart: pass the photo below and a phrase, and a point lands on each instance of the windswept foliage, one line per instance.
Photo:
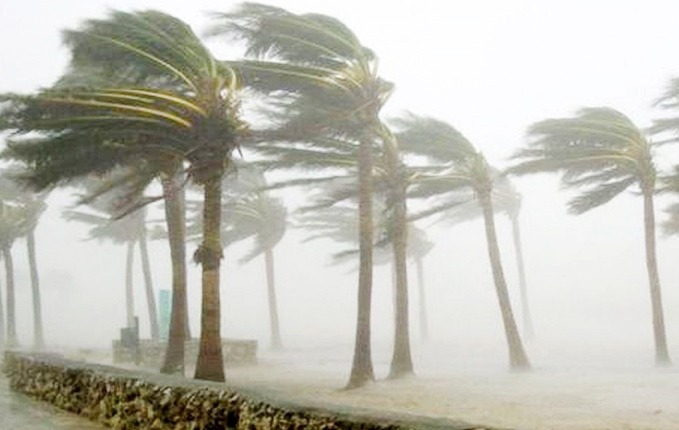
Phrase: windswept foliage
(456, 169)
(165, 100)
(600, 153)
(325, 90)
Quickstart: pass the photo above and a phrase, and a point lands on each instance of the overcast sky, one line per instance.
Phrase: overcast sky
(489, 68)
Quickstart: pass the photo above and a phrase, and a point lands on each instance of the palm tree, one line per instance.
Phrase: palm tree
(174, 101)
(512, 208)
(11, 227)
(2, 323)
(506, 199)
(331, 89)
(35, 206)
(130, 230)
(456, 166)
(418, 247)
(16, 218)
(250, 212)
(29, 207)
(265, 217)
(131, 184)
(600, 152)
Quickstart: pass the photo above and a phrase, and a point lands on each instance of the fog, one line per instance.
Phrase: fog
(489, 68)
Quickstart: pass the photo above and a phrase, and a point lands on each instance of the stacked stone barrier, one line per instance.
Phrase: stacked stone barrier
(128, 399)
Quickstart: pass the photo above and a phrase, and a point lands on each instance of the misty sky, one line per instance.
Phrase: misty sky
(489, 68)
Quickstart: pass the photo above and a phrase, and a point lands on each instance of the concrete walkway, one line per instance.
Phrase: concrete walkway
(18, 412)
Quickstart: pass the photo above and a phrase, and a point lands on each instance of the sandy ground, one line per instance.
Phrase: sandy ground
(622, 395)
(605, 392)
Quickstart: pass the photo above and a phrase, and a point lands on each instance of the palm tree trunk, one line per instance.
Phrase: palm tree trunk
(129, 293)
(662, 356)
(210, 364)
(273, 304)
(176, 228)
(517, 356)
(2, 323)
(518, 249)
(424, 325)
(401, 361)
(38, 336)
(181, 195)
(11, 302)
(362, 366)
(148, 284)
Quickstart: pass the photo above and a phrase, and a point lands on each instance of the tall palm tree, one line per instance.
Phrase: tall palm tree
(250, 212)
(331, 88)
(11, 227)
(602, 153)
(35, 206)
(130, 184)
(182, 106)
(513, 209)
(16, 217)
(455, 167)
(506, 199)
(28, 207)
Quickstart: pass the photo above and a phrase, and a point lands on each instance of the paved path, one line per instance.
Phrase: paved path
(18, 412)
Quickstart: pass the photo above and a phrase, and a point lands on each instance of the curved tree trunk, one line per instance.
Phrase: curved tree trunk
(517, 355)
(176, 228)
(38, 335)
(362, 366)
(401, 361)
(273, 304)
(129, 291)
(11, 301)
(148, 287)
(662, 356)
(518, 249)
(210, 364)
(424, 324)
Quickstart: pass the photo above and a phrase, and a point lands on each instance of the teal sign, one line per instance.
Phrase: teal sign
(164, 307)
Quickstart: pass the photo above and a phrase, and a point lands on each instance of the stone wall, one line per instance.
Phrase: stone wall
(125, 399)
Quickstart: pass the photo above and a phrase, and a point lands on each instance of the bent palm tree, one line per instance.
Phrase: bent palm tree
(331, 89)
(600, 152)
(456, 167)
(182, 106)
(505, 199)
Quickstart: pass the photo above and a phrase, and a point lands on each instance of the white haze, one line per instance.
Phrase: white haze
(490, 68)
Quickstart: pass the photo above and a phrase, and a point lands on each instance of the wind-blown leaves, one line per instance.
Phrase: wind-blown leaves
(271, 32)
(147, 47)
(598, 151)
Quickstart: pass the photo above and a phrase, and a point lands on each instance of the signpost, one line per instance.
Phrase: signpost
(164, 306)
